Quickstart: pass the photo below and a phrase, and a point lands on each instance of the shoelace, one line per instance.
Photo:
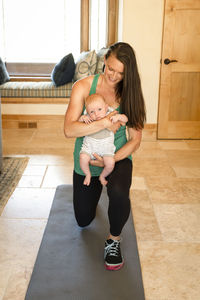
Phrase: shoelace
(112, 249)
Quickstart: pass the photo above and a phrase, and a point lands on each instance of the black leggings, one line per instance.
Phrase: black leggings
(86, 198)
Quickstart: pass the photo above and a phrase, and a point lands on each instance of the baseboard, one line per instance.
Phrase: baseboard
(44, 121)
(150, 126)
(32, 121)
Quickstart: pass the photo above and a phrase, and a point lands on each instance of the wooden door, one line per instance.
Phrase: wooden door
(179, 100)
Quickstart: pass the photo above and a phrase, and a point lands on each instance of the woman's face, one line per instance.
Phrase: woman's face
(114, 70)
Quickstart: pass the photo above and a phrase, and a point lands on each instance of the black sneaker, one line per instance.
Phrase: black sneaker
(112, 255)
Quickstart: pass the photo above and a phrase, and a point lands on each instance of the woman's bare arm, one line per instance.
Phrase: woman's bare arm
(135, 137)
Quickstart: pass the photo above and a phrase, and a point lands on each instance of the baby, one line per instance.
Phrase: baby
(102, 142)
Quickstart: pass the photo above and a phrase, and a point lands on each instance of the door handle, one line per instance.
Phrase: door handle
(167, 61)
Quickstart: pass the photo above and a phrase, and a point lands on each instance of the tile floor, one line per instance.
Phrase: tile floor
(165, 198)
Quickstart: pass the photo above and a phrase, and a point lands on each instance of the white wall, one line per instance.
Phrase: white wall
(142, 28)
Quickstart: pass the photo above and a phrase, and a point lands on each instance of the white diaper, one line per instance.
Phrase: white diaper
(103, 147)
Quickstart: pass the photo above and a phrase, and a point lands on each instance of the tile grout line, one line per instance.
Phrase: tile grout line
(44, 176)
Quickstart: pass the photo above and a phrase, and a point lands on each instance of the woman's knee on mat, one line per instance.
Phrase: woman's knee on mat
(84, 221)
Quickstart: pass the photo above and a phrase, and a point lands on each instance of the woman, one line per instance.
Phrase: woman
(120, 86)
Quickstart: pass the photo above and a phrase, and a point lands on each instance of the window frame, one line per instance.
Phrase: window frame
(42, 71)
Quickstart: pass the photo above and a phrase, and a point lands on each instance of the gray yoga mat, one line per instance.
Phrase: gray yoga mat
(70, 264)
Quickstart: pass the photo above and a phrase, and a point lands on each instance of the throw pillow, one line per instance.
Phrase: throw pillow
(86, 65)
(63, 71)
(100, 59)
(4, 76)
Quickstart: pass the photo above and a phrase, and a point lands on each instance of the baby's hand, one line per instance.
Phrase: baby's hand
(114, 119)
(86, 119)
(119, 117)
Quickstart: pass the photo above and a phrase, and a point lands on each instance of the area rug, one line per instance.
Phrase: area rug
(12, 170)
(70, 263)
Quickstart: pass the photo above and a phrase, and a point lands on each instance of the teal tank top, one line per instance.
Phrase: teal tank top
(120, 140)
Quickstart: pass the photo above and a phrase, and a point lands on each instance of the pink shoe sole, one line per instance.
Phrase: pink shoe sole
(114, 268)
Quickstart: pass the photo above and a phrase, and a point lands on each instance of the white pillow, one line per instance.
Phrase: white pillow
(85, 65)
(100, 59)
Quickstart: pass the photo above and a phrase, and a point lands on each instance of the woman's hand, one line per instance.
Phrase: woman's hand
(98, 161)
(107, 119)
(114, 127)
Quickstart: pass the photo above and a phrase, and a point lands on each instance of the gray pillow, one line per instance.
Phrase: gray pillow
(4, 76)
(85, 65)
(63, 71)
(100, 59)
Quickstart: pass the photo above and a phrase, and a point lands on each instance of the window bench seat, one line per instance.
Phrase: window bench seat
(35, 92)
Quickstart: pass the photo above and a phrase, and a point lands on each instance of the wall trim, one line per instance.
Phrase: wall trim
(32, 121)
(43, 121)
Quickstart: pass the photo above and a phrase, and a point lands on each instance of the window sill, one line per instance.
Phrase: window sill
(29, 78)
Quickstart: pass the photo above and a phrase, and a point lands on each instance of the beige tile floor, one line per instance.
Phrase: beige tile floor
(165, 198)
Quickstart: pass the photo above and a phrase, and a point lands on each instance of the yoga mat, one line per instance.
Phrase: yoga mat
(70, 263)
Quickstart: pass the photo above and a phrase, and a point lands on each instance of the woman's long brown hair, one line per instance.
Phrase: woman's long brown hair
(129, 88)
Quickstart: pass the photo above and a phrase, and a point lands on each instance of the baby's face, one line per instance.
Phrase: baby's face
(97, 109)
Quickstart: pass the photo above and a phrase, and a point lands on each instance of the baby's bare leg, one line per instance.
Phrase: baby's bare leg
(84, 164)
(109, 164)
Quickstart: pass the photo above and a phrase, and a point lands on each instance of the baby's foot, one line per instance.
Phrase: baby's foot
(103, 180)
(87, 180)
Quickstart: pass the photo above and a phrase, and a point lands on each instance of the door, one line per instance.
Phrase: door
(179, 99)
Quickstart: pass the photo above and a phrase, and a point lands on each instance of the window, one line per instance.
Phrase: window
(98, 24)
(40, 30)
(36, 34)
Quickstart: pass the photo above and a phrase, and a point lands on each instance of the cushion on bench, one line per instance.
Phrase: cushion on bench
(36, 89)
(88, 63)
